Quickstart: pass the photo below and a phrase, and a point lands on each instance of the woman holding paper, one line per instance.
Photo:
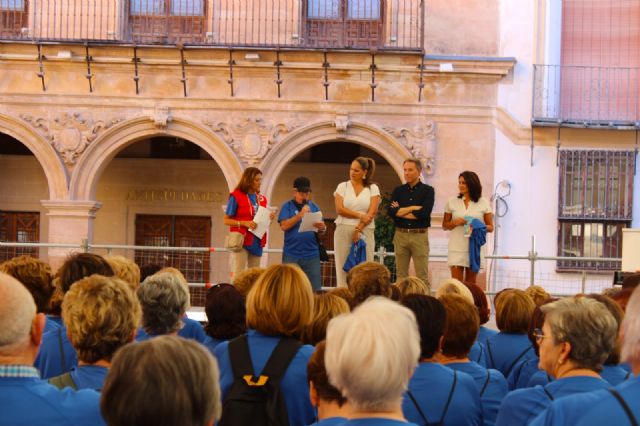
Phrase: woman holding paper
(244, 202)
(357, 202)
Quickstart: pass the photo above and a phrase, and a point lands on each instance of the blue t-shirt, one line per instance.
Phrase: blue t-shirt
(593, 408)
(294, 385)
(51, 324)
(28, 401)
(522, 373)
(478, 354)
(521, 406)
(331, 421)
(484, 333)
(89, 376)
(191, 329)
(490, 383)
(539, 378)
(232, 208)
(376, 421)
(211, 343)
(614, 374)
(50, 359)
(505, 350)
(301, 245)
(431, 385)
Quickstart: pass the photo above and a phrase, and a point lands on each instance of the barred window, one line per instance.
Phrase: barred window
(12, 4)
(161, 7)
(19, 227)
(595, 204)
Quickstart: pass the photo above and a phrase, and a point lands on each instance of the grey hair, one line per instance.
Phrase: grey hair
(379, 336)
(164, 301)
(415, 161)
(587, 325)
(631, 329)
(17, 310)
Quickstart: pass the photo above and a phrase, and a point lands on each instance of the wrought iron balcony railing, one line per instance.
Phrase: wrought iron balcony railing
(586, 96)
(339, 24)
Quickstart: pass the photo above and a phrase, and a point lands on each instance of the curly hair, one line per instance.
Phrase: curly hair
(125, 269)
(101, 315)
(369, 279)
(35, 275)
(246, 279)
(226, 313)
(81, 265)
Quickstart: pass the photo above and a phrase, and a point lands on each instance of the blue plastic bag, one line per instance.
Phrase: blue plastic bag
(357, 254)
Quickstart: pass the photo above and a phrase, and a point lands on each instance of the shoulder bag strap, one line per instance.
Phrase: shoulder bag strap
(280, 358)
(516, 360)
(415, 403)
(625, 406)
(241, 364)
(63, 363)
(548, 393)
(486, 383)
(493, 363)
(453, 388)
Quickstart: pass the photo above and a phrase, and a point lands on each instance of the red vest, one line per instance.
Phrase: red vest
(245, 212)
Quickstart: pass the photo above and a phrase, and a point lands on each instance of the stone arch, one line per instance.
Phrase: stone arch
(99, 154)
(296, 142)
(50, 161)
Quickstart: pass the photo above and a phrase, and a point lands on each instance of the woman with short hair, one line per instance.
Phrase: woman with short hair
(369, 279)
(578, 335)
(226, 315)
(325, 307)
(280, 305)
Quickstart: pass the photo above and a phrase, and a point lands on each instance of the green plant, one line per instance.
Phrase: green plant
(384, 231)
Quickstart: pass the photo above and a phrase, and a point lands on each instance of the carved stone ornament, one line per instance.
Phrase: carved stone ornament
(161, 116)
(421, 143)
(69, 134)
(251, 138)
(342, 122)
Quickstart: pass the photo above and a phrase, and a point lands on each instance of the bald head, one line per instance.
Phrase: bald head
(17, 310)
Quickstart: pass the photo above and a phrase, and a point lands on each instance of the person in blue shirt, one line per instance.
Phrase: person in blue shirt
(602, 407)
(279, 305)
(437, 394)
(226, 315)
(481, 303)
(382, 337)
(301, 248)
(101, 314)
(577, 336)
(511, 345)
(461, 331)
(333, 409)
(25, 399)
(167, 380)
(57, 355)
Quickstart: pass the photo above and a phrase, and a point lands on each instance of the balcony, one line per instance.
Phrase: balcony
(580, 96)
(304, 24)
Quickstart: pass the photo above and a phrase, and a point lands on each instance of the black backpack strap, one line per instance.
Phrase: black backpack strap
(493, 363)
(241, 364)
(516, 360)
(63, 364)
(424, 418)
(486, 383)
(280, 358)
(548, 393)
(480, 354)
(63, 381)
(446, 407)
(628, 375)
(625, 406)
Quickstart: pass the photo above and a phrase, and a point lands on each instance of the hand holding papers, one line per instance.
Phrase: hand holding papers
(308, 221)
(262, 220)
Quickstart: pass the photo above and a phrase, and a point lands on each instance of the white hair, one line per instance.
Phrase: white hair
(17, 310)
(371, 353)
(454, 286)
(631, 329)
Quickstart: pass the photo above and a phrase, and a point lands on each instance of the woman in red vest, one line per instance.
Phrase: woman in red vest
(241, 208)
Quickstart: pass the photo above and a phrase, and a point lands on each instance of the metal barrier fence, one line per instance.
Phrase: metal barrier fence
(583, 95)
(364, 24)
(205, 265)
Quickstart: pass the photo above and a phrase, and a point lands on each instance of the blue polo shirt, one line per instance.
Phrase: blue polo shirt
(27, 400)
(522, 373)
(593, 408)
(484, 333)
(301, 245)
(431, 385)
(191, 329)
(490, 383)
(56, 355)
(614, 374)
(505, 350)
(523, 405)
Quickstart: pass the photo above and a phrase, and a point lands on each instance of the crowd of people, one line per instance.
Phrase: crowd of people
(103, 341)
(467, 216)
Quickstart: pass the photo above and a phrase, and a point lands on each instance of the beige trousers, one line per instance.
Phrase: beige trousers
(243, 260)
(342, 240)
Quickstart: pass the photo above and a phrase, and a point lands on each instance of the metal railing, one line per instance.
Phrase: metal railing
(586, 96)
(338, 24)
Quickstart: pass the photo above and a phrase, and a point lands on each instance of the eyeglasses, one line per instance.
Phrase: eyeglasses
(539, 335)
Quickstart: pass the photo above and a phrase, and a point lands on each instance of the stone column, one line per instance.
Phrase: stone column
(70, 222)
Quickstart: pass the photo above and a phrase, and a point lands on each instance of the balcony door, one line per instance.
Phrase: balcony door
(167, 21)
(344, 23)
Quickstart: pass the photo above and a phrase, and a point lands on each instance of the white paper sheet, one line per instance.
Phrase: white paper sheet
(262, 219)
(308, 220)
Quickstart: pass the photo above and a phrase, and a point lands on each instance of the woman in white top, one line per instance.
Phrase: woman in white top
(468, 205)
(357, 202)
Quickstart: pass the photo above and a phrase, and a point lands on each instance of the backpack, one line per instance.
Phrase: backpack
(257, 401)
(63, 381)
